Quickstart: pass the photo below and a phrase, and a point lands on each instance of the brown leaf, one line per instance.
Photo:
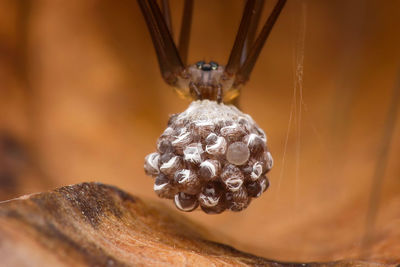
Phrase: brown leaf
(92, 224)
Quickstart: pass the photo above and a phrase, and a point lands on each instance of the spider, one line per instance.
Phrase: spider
(212, 155)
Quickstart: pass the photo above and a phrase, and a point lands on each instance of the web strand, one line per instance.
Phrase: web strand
(295, 116)
(298, 91)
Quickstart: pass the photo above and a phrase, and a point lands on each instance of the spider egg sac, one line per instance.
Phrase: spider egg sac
(211, 156)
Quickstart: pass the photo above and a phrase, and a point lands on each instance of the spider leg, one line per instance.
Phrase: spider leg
(170, 63)
(184, 35)
(252, 29)
(233, 64)
(167, 15)
(245, 70)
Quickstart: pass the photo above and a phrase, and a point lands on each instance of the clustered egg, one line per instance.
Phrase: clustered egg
(211, 156)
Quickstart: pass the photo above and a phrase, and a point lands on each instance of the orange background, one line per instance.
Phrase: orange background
(82, 99)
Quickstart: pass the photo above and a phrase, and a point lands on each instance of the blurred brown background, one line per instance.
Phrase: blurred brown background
(81, 99)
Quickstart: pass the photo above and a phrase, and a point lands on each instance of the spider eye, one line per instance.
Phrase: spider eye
(200, 64)
(214, 65)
